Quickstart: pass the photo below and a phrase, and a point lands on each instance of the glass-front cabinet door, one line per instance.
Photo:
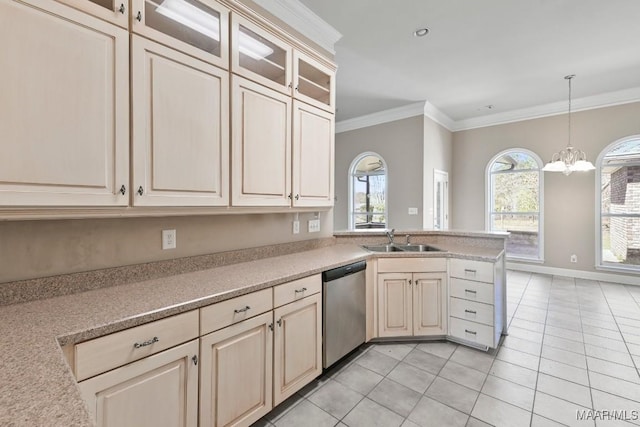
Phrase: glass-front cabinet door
(260, 56)
(115, 11)
(314, 83)
(198, 28)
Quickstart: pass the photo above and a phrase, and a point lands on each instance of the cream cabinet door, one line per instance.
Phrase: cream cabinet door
(314, 83)
(261, 145)
(429, 304)
(180, 128)
(313, 156)
(297, 346)
(394, 304)
(236, 373)
(64, 108)
(160, 390)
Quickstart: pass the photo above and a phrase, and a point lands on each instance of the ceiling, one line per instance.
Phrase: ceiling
(511, 55)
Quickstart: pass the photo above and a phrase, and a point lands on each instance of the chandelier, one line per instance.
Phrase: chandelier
(569, 159)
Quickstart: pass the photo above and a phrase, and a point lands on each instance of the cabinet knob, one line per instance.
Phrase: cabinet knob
(194, 359)
(289, 196)
(299, 291)
(123, 190)
(139, 16)
(279, 322)
(140, 190)
(297, 197)
(271, 326)
(242, 310)
(122, 9)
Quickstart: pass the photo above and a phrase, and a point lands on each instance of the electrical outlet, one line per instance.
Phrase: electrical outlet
(314, 225)
(296, 227)
(168, 239)
(413, 211)
(574, 258)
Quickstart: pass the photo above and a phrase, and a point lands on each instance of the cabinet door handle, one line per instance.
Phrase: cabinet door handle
(469, 311)
(140, 191)
(470, 291)
(122, 9)
(471, 332)
(279, 322)
(271, 326)
(242, 310)
(146, 343)
(123, 190)
(290, 85)
(194, 359)
(139, 16)
(468, 272)
(297, 197)
(290, 196)
(410, 281)
(299, 291)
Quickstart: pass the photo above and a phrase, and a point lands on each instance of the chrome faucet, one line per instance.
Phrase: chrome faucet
(390, 235)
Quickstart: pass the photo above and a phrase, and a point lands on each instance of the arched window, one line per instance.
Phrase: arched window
(618, 211)
(514, 202)
(368, 192)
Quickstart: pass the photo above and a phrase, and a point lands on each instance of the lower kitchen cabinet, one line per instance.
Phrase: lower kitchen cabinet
(236, 373)
(159, 390)
(297, 346)
(412, 304)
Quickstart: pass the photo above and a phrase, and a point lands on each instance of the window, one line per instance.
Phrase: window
(618, 212)
(514, 199)
(368, 191)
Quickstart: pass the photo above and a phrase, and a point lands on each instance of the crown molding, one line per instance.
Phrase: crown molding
(303, 20)
(391, 115)
(609, 99)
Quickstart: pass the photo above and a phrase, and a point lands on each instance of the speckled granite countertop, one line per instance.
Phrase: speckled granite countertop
(37, 387)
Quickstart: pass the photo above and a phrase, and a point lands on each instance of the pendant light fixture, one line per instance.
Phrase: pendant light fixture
(569, 160)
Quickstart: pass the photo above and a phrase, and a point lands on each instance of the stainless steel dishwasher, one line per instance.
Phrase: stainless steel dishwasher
(343, 311)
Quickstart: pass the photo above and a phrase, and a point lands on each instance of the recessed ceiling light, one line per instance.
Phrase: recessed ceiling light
(421, 32)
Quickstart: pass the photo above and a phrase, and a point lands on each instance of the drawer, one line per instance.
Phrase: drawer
(474, 291)
(411, 265)
(471, 331)
(225, 313)
(469, 310)
(298, 289)
(102, 354)
(479, 271)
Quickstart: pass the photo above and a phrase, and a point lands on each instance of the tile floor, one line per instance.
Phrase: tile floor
(573, 345)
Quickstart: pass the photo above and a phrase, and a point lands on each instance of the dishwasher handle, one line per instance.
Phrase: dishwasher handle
(337, 273)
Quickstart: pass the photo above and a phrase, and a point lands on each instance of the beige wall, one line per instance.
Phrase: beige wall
(437, 153)
(400, 145)
(30, 249)
(569, 201)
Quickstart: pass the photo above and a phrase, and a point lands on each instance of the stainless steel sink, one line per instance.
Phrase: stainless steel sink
(383, 248)
(403, 248)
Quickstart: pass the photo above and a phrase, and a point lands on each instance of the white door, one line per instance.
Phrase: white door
(158, 390)
(180, 128)
(64, 107)
(440, 200)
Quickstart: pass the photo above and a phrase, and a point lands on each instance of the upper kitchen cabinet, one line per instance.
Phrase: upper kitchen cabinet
(180, 128)
(314, 82)
(199, 28)
(64, 109)
(261, 145)
(260, 56)
(313, 156)
(114, 11)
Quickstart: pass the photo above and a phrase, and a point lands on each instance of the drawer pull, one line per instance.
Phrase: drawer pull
(299, 291)
(470, 291)
(469, 311)
(469, 272)
(471, 332)
(242, 310)
(146, 343)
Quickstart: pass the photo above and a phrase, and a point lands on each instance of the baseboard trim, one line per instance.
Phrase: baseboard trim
(580, 274)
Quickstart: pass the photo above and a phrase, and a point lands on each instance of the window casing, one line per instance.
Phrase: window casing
(618, 206)
(515, 202)
(368, 192)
